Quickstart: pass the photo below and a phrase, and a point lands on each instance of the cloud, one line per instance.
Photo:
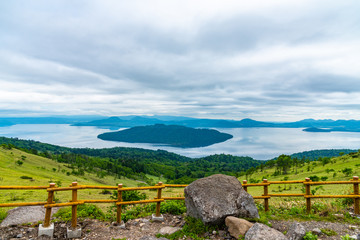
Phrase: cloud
(278, 60)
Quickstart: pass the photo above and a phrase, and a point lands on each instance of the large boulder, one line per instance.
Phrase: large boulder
(214, 198)
(262, 232)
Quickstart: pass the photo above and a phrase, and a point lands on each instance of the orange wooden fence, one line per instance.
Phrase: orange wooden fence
(307, 195)
(74, 187)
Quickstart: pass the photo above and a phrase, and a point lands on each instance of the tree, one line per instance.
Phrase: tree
(347, 171)
(19, 162)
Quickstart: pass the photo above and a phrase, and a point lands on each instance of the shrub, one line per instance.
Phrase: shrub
(83, 211)
(328, 232)
(26, 177)
(310, 236)
(314, 178)
(173, 207)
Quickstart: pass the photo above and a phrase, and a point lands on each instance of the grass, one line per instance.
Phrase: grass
(333, 171)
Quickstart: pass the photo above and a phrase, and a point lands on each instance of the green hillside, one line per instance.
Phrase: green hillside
(19, 168)
(287, 168)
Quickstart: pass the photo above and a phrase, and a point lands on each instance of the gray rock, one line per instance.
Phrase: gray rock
(169, 230)
(26, 214)
(152, 238)
(237, 226)
(296, 231)
(214, 198)
(262, 232)
(316, 231)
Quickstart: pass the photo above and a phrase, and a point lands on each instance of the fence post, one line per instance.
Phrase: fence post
(266, 193)
(158, 203)
(119, 207)
(307, 193)
(356, 192)
(48, 209)
(74, 207)
(245, 187)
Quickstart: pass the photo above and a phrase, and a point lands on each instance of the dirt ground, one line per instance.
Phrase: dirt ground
(144, 227)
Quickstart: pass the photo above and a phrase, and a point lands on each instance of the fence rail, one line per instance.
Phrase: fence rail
(74, 202)
(307, 195)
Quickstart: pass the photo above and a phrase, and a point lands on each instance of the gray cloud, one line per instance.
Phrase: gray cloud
(279, 61)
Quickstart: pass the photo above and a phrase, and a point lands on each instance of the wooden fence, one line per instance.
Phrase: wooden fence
(307, 195)
(74, 187)
(74, 202)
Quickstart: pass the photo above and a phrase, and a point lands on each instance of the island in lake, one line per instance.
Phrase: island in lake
(172, 135)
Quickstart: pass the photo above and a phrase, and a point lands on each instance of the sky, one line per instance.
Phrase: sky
(279, 60)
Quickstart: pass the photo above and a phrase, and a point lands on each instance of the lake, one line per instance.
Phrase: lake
(259, 143)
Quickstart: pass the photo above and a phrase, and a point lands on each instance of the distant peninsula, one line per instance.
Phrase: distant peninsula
(172, 135)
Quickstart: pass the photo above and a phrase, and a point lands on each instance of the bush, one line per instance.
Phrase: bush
(26, 177)
(310, 236)
(173, 207)
(83, 211)
(314, 178)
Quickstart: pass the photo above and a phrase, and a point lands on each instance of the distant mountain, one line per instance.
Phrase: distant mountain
(120, 122)
(5, 123)
(173, 135)
(47, 120)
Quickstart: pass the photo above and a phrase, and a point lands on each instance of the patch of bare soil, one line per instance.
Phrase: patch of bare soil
(145, 227)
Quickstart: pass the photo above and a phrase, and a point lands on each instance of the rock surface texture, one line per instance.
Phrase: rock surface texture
(214, 198)
(262, 232)
(296, 231)
(237, 226)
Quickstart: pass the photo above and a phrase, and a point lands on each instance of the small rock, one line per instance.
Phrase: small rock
(142, 224)
(339, 215)
(237, 226)
(169, 230)
(261, 232)
(296, 231)
(19, 236)
(353, 237)
(316, 231)
(352, 227)
(214, 232)
(222, 233)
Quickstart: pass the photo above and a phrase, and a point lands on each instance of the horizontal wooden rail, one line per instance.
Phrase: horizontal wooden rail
(174, 198)
(287, 195)
(22, 187)
(140, 202)
(331, 182)
(64, 204)
(22, 204)
(176, 185)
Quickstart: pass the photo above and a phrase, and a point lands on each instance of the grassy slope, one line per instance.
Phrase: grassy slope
(337, 164)
(41, 171)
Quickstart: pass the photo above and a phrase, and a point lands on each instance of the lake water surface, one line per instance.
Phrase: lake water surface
(259, 143)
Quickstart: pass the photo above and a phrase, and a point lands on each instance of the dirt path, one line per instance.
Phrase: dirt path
(17, 226)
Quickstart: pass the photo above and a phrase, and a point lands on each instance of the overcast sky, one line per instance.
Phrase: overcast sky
(278, 60)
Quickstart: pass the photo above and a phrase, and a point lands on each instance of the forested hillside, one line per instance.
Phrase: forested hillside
(136, 163)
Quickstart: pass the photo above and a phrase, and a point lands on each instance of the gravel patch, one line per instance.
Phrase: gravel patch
(29, 214)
